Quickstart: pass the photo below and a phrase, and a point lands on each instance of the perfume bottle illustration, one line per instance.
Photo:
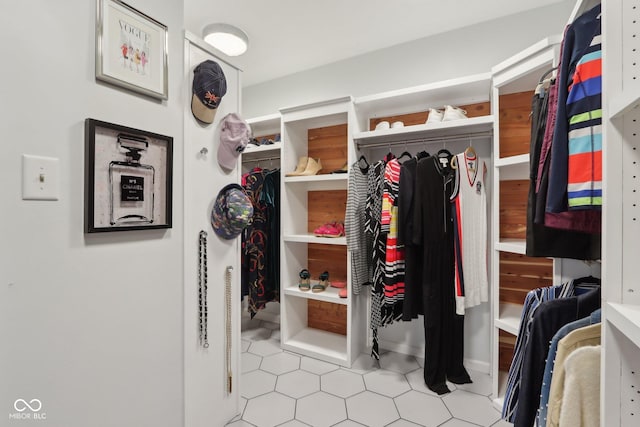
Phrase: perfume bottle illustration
(131, 183)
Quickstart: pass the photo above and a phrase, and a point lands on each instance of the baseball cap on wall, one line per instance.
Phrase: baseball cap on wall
(209, 86)
(232, 212)
(235, 134)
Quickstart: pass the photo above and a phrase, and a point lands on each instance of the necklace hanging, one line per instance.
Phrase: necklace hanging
(202, 289)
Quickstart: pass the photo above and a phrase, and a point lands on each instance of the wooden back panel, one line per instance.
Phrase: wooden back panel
(519, 274)
(513, 209)
(329, 144)
(515, 123)
(506, 344)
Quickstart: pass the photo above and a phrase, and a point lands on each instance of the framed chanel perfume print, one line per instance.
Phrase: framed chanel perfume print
(128, 178)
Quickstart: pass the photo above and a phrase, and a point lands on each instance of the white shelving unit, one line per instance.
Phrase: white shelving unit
(620, 366)
(296, 333)
(408, 105)
(267, 155)
(520, 73)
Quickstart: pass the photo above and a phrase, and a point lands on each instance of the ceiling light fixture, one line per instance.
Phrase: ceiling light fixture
(230, 40)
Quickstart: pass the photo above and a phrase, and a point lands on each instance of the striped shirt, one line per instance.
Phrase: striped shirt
(532, 301)
(358, 242)
(394, 256)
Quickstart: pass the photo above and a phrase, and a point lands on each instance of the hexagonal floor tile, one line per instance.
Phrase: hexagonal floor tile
(502, 423)
(454, 422)
(245, 345)
(398, 362)
(256, 334)
(270, 410)
(372, 409)
(363, 364)
(275, 335)
(258, 382)
(481, 383)
(471, 407)
(294, 423)
(422, 409)
(249, 362)
(317, 366)
(321, 409)
(264, 348)
(385, 382)
(280, 363)
(403, 423)
(298, 384)
(239, 423)
(342, 383)
(420, 361)
(349, 423)
(416, 381)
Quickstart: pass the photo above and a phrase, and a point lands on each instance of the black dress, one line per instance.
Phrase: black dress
(433, 226)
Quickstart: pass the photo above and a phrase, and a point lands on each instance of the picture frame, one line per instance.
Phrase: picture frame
(131, 49)
(128, 178)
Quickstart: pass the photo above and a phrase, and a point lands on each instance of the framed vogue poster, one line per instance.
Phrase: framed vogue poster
(128, 178)
(131, 49)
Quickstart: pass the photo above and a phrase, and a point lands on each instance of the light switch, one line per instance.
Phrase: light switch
(40, 178)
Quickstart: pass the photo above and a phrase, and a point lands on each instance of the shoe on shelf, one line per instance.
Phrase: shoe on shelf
(322, 284)
(338, 284)
(434, 116)
(342, 293)
(383, 125)
(302, 164)
(312, 168)
(330, 229)
(305, 282)
(397, 125)
(343, 169)
(453, 113)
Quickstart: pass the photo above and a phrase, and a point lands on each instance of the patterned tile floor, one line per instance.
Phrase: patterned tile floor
(280, 388)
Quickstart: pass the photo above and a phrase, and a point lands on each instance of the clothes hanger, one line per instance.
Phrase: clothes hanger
(422, 154)
(405, 154)
(364, 168)
(444, 157)
(546, 73)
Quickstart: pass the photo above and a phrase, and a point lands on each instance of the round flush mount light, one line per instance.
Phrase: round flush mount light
(230, 40)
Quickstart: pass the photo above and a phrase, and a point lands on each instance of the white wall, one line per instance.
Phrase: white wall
(470, 50)
(92, 325)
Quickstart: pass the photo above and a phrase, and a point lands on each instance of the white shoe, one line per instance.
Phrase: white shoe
(453, 113)
(396, 125)
(383, 125)
(434, 116)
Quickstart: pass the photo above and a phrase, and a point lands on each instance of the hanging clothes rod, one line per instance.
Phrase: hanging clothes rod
(261, 159)
(459, 137)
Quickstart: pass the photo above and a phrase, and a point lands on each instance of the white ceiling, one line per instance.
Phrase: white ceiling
(288, 36)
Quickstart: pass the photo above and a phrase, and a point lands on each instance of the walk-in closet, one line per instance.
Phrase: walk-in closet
(361, 213)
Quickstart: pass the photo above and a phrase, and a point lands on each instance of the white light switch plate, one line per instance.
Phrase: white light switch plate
(40, 178)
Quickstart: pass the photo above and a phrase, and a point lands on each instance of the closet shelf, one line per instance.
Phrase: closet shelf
(253, 149)
(624, 103)
(328, 295)
(338, 181)
(626, 318)
(432, 131)
(310, 238)
(319, 344)
(516, 246)
(469, 89)
(521, 159)
(509, 317)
